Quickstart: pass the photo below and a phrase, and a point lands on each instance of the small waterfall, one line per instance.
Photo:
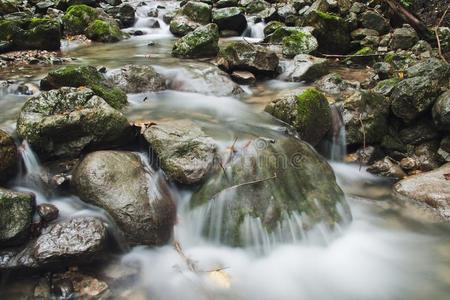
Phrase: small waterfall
(334, 146)
(255, 31)
(146, 23)
(30, 174)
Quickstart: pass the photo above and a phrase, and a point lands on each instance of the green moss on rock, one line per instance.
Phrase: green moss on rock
(202, 42)
(299, 43)
(78, 17)
(104, 31)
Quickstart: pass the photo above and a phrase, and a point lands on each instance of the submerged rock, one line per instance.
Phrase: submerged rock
(16, 215)
(74, 241)
(429, 190)
(62, 123)
(261, 191)
(241, 56)
(365, 117)
(137, 199)
(137, 79)
(85, 76)
(202, 42)
(308, 112)
(305, 68)
(185, 152)
(8, 157)
(26, 33)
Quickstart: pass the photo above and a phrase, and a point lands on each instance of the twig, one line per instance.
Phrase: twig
(246, 183)
(190, 264)
(351, 55)
(232, 151)
(364, 137)
(436, 31)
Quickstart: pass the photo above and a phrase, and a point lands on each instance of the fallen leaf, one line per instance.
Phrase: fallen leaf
(447, 176)
(221, 278)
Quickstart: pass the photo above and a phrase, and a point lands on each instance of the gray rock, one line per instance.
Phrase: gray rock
(432, 68)
(48, 212)
(335, 85)
(387, 168)
(243, 77)
(444, 148)
(365, 117)
(185, 152)
(428, 190)
(230, 18)
(308, 112)
(64, 122)
(305, 68)
(375, 21)
(137, 79)
(8, 157)
(404, 38)
(421, 131)
(135, 196)
(242, 56)
(192, 15)
(386, 86)
(413, 96)
(202, 42)
(16, 215)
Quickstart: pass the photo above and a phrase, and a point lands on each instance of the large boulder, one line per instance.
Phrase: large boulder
(137, 79)
(202, 42)
(26, 33)
(365, 117)
(192, 15)
(375, 21)
(247, 57)
(429, 190)
(404, 38)
(299, 43)
(64, 122)
(136, 197)
(8, 157)
(230, 18)
(16, 215)
(78, 240)
(414, 96)
(85, 76)
(258, 191)
(181, 25)
(331, 31)
(78, 17)
(125, 13)
(441, 111)
(105, 31)
(308, 112)
(305, 68)
(185, 152)
(433, 68)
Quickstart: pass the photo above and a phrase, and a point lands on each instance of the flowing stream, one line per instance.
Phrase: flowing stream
(385, 251)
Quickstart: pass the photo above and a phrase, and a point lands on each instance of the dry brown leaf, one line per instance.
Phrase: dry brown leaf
(447, 176)
(143, 124)
(221, 278)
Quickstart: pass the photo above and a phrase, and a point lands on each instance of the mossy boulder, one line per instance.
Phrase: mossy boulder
(31, 33)
(62, 123)
(105, 31)
(386, 86)
(197, 11)
(331, 31)
(135, 196)
(88, 76)
(242, 56)
(414, 96)
(181, 25)
(8, 157)
(16, 215)
(185, 152)
(272, 26)
(202, 42)
(78, 17)
(299, 43)
(256, 6)
(308, 112)
(230, 18)
(260, 190)
(365, 117)
(136, 79)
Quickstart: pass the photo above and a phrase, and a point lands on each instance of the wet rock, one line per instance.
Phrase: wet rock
(387, 168)
(330, 30)
(300, 42)
(403, 38)
(385, 87)
(85, 76)
(16, 215)
(365, 117)
(383, 70)
(308, 112)
(243, 77)
(77, 18)
(429, 190)
(413, 96)
(202, 42)
(256, 6)
(305, 186)
(444, 148)
(137, 79)
(241, 56)
(105, 31)
(335, 85)
(125, 13)
(135, 196)
(419, 132)
(197, 11)
(271, 27)
(8, 157)
(433, 68)
(375, 21)
(305, 68)
(73, 241)
(185, 152)
(181, 25)
(75, 284)
(26, 33)
(230, 18)
(427, 155)
(64, 122)
(48, 212)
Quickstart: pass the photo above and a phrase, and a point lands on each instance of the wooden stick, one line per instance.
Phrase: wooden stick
(246, 183)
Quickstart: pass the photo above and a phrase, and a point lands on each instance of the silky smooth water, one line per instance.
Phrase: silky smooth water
(386, 252)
